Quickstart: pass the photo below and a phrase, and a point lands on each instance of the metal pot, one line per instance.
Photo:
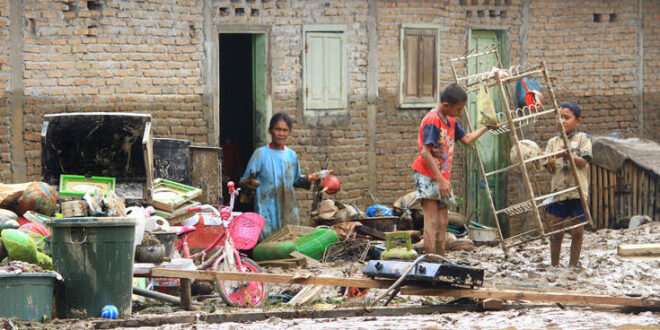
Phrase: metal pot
(483, 235)
(150, 254)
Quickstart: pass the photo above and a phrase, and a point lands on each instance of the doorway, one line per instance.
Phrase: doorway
(242, 102)
(491, 148)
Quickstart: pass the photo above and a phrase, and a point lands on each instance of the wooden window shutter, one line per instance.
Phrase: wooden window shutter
(420, 66)
(325, 86)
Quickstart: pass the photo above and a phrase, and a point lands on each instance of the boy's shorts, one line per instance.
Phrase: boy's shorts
(426, 188)
(569, 208)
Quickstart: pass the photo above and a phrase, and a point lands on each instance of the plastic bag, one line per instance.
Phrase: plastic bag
(486, 107)
(378, 210)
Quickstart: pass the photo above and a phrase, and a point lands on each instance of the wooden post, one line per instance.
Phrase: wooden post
(635, 200)
(613, 208)
(599, 200)
(592, 196)
(186, 295)
(603, 196)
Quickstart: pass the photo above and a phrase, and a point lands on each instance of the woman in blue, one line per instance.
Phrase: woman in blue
(275, 172)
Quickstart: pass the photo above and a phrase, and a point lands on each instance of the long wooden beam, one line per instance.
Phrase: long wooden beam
(504, 294)
(639, 250)
(208, 275)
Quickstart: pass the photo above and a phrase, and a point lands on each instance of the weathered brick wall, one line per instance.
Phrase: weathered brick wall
(652, 69)
(339, 139)
(122, 56)
(148, 56)
(5, 171)
(396, 132)
(397, 128)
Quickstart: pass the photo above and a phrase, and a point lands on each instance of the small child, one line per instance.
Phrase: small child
(568, 205)
(435, 142)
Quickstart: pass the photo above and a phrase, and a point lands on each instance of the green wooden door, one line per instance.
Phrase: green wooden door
(259, 75)
(490, 147)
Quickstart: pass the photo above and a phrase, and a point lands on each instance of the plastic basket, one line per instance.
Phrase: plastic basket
(245, 230)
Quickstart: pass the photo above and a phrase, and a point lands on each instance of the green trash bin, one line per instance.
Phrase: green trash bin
(95, 258)
(27, 296)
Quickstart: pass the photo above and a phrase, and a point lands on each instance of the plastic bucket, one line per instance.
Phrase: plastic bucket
(28, 296)
(95, 257)
(314, 244)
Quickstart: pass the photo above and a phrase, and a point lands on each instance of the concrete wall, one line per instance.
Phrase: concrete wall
(157, 57)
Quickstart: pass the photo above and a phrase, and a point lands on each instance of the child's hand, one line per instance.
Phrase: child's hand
(493, 126)
(444, 187)
(551, 164)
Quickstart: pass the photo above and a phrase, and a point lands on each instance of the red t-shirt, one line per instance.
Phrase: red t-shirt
(441, 136)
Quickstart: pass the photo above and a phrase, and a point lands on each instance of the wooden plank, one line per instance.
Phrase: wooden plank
(594, 197)
(603, 197)
(603, 206)
(504, 294)
(310, 261)
(639, 250)
(613, 207)
(649, 196)
(537, 296)
(592, 192)
(206, 172)
(635, 207)
(642, 192)
(186, 294)
(304, 279)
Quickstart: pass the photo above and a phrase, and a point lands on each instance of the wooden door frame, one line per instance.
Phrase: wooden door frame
(214, 73)
(504, 51)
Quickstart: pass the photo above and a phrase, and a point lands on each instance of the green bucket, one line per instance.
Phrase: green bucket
(273, 250)
(28, 296)
(95, 257)
(314, 244)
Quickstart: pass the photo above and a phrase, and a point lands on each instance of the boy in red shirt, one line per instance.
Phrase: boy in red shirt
(437, 133)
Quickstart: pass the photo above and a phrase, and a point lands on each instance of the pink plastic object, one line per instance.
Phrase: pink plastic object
(186, 229)
(225, 213)
(231, 187)
(245, 230)
(36, 228)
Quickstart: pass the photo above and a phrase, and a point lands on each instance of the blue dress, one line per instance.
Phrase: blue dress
(278, 171)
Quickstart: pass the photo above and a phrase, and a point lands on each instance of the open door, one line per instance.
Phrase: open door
(243, 101)
(491, 148)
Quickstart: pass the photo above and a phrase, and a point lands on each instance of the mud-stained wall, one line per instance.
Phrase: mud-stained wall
(5, 162)
(154, 57)
(113, 56)
(651, 42)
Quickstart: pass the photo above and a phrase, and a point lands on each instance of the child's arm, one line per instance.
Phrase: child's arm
(583, 152)
(443, 184)
(471, 137)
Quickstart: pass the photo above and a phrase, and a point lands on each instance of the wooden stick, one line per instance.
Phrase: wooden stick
(505, 294)
(538, 296)
(186, 295)
(603, 195)
(599, 200)
(613, 187)
(639, 250)
(593, 189)
(635, 208)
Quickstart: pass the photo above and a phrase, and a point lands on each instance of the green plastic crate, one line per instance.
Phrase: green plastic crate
(68, 180)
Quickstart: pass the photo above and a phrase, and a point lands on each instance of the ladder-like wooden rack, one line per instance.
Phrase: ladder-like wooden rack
(511, 120)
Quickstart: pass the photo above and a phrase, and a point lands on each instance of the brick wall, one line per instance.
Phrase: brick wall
(5, 171)
(338, 138)
(149, 56)
(113, 56)
(652, 69)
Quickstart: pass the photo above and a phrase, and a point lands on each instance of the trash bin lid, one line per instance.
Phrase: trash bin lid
(93, 222)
